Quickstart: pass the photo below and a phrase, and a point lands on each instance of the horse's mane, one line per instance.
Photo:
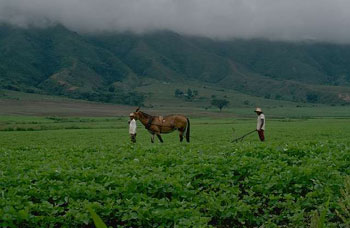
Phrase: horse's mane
(145, 114)
(150, 116)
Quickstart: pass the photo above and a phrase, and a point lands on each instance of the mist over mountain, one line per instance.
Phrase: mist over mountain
(297, 20)
(109, 66)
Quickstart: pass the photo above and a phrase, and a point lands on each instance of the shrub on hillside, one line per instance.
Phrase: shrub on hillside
(220, 103)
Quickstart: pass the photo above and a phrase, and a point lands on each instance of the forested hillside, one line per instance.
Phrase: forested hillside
(108, 67)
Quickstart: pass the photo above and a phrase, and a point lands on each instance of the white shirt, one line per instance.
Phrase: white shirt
(260, 118)
(132, 127)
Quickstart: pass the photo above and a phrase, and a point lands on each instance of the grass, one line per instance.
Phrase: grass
(161, 94)
(49, 177)
(163, 102)
(23, 123)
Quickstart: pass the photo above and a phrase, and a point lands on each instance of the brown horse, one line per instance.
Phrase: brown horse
(157, 125)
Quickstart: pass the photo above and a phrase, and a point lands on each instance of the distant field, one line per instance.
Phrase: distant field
(163, 103)
(24, 104)
(53, 168)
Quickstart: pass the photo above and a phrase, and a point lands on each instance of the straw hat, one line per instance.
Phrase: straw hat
(258, 110)
(132, 114)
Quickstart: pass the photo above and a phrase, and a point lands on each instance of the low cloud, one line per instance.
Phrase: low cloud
(322, 20)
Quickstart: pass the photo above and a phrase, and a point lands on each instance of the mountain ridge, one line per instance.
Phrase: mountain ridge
(108, 67)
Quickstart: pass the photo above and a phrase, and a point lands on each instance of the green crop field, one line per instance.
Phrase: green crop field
(52, 169)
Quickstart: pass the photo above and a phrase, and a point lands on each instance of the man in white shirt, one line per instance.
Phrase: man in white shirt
(132, 127)
(260, 125)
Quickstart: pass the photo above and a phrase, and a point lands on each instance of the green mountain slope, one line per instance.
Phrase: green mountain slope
(314, 63)
(109, 67)
(56, 57)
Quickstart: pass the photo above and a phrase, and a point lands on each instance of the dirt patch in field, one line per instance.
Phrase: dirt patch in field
(61, 108)
(85, 108)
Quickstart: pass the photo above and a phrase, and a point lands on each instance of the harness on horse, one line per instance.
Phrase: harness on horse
(149, 123)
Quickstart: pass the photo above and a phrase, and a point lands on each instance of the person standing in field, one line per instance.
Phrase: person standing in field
(132, 128)
(260, 126)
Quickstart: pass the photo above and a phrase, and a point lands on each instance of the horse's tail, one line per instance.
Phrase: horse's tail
(188, 130)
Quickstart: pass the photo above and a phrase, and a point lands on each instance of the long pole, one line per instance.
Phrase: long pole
(242, 137)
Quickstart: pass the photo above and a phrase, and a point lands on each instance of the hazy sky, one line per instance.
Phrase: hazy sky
(325, 20)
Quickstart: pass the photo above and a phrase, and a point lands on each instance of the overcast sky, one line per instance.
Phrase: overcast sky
(324, 20)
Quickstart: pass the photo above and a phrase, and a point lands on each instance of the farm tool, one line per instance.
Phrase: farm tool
(240, 139)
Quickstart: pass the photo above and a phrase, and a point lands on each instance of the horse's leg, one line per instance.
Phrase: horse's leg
(181, 135)
(160, 138)
(152, 138)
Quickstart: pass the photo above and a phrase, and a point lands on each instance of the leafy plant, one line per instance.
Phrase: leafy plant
(318, 220)
(97, 220)
(48, 178)
(344, 203)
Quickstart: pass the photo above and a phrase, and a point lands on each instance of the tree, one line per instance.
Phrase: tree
(246, 102)
(178, 93)
(135, 98)
(267, 96)
(111, 89)
(189, 94)
(220, 103)
(312, 97)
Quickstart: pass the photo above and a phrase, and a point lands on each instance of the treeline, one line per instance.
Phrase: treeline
(112, 95)
(117, 97)
(188, 95)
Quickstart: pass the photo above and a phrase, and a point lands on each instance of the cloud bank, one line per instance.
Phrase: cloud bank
(322, 20)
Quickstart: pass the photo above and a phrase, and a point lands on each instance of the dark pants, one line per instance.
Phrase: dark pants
(133, 138)
(261, 135)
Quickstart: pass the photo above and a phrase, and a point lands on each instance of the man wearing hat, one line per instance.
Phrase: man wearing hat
(260, 126)
(132, 127)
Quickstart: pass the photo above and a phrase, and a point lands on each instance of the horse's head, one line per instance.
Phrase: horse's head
(137, 113)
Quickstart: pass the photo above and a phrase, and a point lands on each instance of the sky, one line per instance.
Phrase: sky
(286, 20)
